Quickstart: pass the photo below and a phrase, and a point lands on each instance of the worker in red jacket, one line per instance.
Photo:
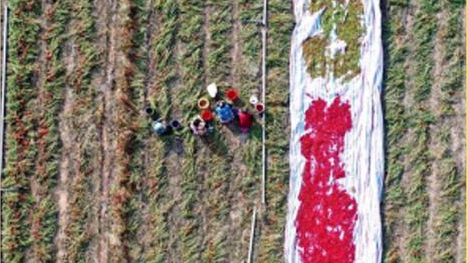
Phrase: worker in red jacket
(245, 120)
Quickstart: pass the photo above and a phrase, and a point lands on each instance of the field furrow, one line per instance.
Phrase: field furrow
(107, 45)
(79, 120)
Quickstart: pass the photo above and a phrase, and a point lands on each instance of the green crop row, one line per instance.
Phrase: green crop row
(191, 36)
(448, 213)
(396, 122)
(219, 58)
(425, 27)
(137, 21)
(48, 140)
(453, 82)
(251, 43)
(130, 97)
(250, 81)
(162, 64)
(85, 61)
(218, 63)
(21, 150)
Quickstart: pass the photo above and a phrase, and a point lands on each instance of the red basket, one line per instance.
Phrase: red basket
(232, 94)
(260, 107)
(207, 115)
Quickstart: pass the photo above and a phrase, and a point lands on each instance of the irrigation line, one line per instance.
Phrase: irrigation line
(4, 68)
(466, 121)
(2, 106)
(252, 235)
(264, 54)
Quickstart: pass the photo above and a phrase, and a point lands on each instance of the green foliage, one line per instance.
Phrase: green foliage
(125, 214)
(448, 213)
(161, 52)
(417, 198)
(344, 19)
(20, 148)
(50, 98)
(409, 134)
(191, 37)
(218, 64)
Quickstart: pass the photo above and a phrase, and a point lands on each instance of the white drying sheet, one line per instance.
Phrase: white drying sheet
(362, 157)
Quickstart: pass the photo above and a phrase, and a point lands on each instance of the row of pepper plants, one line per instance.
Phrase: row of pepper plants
(218, 64)
(161, 62)
(190, 37)
(21, 150)
(130, 92)
(447, 213)
(56, 17)
(417, 198)
(396, 121)
(409, 133)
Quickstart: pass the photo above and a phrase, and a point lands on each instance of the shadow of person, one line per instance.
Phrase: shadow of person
(214, 141)
(178, 145)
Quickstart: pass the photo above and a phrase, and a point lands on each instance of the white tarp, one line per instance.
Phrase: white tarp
(362, 158)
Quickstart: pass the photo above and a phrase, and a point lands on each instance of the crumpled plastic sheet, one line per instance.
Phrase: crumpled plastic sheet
(363, 158)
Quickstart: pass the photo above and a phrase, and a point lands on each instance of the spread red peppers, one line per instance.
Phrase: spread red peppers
(327, 213)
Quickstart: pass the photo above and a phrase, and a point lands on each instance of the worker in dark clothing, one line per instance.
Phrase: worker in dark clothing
(245, 120)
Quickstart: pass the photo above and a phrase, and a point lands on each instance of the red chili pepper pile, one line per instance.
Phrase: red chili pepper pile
(327, 213)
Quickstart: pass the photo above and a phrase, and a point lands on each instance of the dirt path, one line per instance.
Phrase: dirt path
(107, 28)
(402, 229)
(175, 219)
(67, 157)
(435, 145)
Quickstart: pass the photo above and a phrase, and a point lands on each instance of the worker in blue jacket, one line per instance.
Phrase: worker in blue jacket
(224, 112)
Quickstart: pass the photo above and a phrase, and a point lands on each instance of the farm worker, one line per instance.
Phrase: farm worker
(224, 112)
(245, 120)
(199, 127)
(159, 127)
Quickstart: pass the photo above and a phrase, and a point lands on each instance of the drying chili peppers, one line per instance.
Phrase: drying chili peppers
(327, 213)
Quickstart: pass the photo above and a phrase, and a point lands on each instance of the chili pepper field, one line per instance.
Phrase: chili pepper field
(86, 180)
